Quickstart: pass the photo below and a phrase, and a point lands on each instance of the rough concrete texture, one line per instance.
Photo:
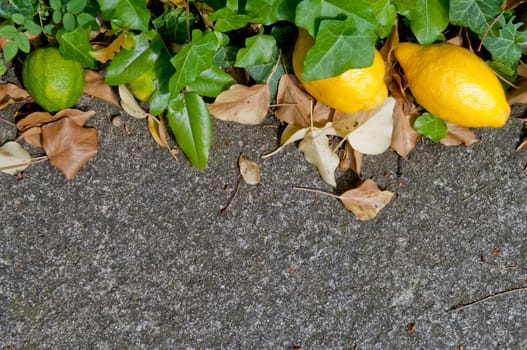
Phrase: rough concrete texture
(134, 253)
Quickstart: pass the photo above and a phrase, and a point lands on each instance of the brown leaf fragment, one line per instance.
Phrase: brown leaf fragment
(519, 94)
(157, 130)
(404, 136)
(32, 136)
(13, 158)
(511, 4)
(249, 170)
(366, 200)
(68, 145)
(96, 87)
(242, 104)
(351, 159)
(410, 328)
(522, 146)
(125, 40)
(11, 93)
(318, 152)
(458, 135)
(294, 104)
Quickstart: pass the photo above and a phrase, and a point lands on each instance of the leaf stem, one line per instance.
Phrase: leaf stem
(314, 190)
(487, 298)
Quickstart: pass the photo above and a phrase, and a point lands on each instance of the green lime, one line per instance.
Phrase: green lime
(52, 81)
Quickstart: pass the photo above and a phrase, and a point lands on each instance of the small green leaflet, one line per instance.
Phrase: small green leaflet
(474, 14)
(75, 45)
(340, 45)
(431, 126)
(259, 49)
(23, 7)
(190, 122)
(131, 14)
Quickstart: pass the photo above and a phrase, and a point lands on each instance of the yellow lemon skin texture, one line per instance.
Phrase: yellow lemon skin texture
(351, 91)
(52, 81)
(454, 84)
(144, 86)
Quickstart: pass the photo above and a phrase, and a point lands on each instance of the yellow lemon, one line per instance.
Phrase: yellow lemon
(144, 86)
(351, 91)
(454, 84)
(52, 81)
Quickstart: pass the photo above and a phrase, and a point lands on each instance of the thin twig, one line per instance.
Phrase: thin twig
(316, 191)
(487, 298)
(234, 195)
(8, 122)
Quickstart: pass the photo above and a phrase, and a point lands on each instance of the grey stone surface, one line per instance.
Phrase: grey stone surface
(134, 253)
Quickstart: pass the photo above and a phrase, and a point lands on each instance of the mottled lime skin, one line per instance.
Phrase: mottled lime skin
(52, 81)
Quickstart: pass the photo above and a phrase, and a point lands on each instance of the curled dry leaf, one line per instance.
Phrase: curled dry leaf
(68, 145)
(317, 151)
(294, 104)
(351, 159)
(96, 87)
(375, 135)
(249, 170)
(242, 104)
(404, 136)
(458, 135)
(11, 93)
(366, 201)
(125, 40)
(13, 158)
(129, 103)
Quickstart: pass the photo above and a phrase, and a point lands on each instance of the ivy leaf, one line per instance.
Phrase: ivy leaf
(130, 64)
(505, 47)
(335, 41)
(131, 14)
(267, 11)
(259, 49)
(428, 20)
(76, 46)
(431, 126)
(194, 58)
(190, 122)
(386, 16)
(227, 20)
(474, 14)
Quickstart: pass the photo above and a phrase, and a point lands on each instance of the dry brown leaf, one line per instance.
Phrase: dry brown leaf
(13, 158)
(68, 145)
(510, 4)
(404, 136)
(366, 200)
(522, 145)
(125, 40)
(351, 159)
(129, 103)
(317, 151)
(96, 87)
(519, 94)
(249, 170)
(32, 136)
(294, 104)
(37, 119)
(11, 93)
(345, 123)
(242, 104)
(458, 135)
(155, 126)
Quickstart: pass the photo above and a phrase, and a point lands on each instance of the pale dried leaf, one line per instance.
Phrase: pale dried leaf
(294, 104)
(404, 136)
(96, 86)
(249, 170)
(157, 130)
(129, 103)
(375, 135)
(125, 40)
(68, 145)
(317, 151)
(11, 93)
(345, 123)
(519, 94)
(458, 135)
(242, 104)
(13, 158)
(366, 200)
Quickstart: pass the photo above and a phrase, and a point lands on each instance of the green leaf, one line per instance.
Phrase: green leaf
(8, 32)
(287, 10)
(428, 20)
(194, 58)
(3, 68)
(57, 16)
(164, 70)
(22, 42)
(505, 46)
(474, 14)
(386, 16)
(23, 7)
(32, 28)
(18, 18)
(10, 50)
(259, 49)
(68, 20)
(268, 73)
(211, 82)
(339, 46)
(87, 20)
(55, 4)
(310, 13)
(431, 126)
(190, 122)
(76, 6)
(264, 11)
(76, 46)
(130, 64)
(227, 20)
(131, 14)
